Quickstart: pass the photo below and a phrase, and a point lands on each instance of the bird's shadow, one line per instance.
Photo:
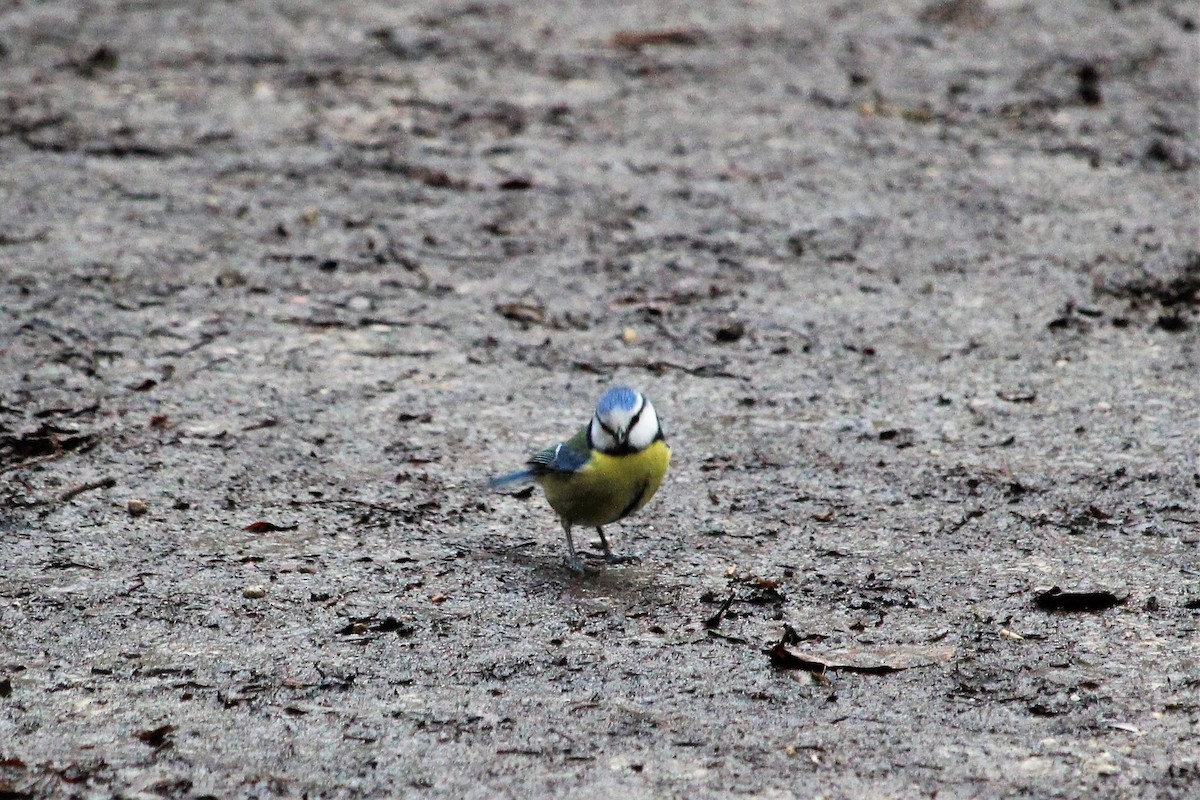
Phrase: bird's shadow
(547, 567)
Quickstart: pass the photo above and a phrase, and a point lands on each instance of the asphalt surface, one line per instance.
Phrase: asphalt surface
(914, 288)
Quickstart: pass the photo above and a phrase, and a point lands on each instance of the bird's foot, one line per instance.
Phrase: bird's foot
(575, 564)
(609, 558)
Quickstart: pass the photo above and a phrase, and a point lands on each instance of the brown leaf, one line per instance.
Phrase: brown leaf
(525, 313)
(900, 437)
(635, 40)
(102, 59)
(964, 13)
(268, 527)
(157, 737)
(429, 176)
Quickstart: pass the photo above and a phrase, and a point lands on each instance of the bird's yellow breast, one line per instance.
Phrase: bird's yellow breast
(607, 488)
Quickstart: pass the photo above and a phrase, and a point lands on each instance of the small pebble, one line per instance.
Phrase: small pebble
(254, 592)
(137, 508)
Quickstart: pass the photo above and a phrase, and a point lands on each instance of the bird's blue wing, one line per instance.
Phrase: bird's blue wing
(565, 457)
(562, 459)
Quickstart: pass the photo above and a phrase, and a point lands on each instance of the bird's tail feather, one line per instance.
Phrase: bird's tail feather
(513, 479)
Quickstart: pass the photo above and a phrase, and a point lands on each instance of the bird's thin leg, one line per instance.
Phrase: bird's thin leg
(609, 556)
(573, 560)
(604, 544)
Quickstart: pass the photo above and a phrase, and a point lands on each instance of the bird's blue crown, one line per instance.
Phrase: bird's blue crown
(618, 398)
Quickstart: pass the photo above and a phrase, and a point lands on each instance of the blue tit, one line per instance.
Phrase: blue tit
(607, 471)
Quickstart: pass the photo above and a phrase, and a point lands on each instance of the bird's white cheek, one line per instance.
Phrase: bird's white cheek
(643, 433)
(601, 440)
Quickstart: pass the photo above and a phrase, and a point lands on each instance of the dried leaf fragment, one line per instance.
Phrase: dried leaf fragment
(875, 660)
(782, 658)
(635, 40)
(365, 625)
(515, 184)
(730, 332)
(1017, 395)
(1055, 599)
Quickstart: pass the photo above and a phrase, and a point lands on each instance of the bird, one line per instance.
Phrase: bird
(606, 472)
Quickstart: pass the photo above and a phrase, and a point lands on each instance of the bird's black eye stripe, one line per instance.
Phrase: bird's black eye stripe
(607, 429)
(636, 416)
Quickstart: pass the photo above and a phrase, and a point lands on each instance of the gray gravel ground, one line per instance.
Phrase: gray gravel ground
(914, 287)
